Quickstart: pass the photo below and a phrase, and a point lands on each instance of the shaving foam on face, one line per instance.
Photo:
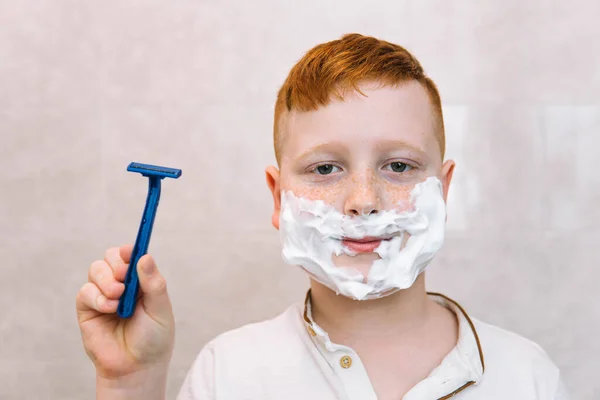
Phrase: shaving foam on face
(312, 232)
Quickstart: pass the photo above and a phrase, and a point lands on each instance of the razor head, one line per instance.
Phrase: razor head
(154, 170)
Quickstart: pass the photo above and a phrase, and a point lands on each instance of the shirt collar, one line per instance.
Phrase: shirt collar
(462, 367)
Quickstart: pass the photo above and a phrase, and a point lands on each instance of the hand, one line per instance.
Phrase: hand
(124, 347)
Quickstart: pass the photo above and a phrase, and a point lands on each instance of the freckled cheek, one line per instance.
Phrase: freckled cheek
(332, 193)
(388, 195)
(397, 196)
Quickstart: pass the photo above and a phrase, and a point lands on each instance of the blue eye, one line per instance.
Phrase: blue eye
(326, 169)
(399, 167)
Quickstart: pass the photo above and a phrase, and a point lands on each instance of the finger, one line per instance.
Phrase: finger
(90, 298)
(125, 252)
(117, 263)
(101, 275)
(154, 287)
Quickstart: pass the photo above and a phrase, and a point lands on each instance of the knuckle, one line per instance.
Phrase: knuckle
(98, 271)
(95, 267)
(79, 296)
(89, 290)
(110, 252)
(86, 295)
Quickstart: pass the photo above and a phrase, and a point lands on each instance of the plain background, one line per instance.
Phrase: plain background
(88, 86)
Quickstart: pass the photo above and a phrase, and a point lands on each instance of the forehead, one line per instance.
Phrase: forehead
(388, 113)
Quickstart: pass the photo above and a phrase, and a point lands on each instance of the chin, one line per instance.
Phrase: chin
(361, 262)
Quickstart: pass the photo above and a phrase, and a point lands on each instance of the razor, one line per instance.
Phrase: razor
(155, 174)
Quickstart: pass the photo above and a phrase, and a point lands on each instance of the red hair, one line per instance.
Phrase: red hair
(331, 68)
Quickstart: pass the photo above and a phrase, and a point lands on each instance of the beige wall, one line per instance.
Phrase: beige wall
(88, 86)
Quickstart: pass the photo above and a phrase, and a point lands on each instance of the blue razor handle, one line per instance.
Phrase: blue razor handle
(155, 174)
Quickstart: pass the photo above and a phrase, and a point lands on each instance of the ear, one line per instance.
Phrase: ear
(447, 172)
(272, 175)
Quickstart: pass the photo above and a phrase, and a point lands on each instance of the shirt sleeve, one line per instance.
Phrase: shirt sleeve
(199, 384)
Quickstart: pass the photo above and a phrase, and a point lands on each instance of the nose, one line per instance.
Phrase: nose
(363, 198)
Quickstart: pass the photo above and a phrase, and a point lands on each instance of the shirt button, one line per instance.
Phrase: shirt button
(346, 362)
(311, 331)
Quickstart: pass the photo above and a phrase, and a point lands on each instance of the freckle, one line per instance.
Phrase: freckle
(397, 193)
(328, 194)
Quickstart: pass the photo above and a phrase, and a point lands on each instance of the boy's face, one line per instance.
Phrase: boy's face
(362, 155)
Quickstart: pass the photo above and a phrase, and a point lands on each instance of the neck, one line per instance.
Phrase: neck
(345, 319)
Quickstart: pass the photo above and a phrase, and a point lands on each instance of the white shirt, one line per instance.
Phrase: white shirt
(290, 357)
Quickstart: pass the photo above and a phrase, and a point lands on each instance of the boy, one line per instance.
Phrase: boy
(359, 200)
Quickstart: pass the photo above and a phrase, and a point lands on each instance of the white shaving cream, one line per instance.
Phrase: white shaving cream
(312, 232)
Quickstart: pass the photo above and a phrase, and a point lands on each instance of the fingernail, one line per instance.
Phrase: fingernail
(148, 267)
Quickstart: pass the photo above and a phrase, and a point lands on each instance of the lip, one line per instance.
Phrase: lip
(364, 245)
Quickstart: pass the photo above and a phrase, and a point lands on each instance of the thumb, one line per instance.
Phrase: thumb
(153, 286)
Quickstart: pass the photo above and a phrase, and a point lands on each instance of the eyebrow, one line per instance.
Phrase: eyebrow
(322, 148)
(401, 144)
(384, 144)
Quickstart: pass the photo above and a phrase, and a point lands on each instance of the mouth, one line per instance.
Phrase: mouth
(364, 245)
